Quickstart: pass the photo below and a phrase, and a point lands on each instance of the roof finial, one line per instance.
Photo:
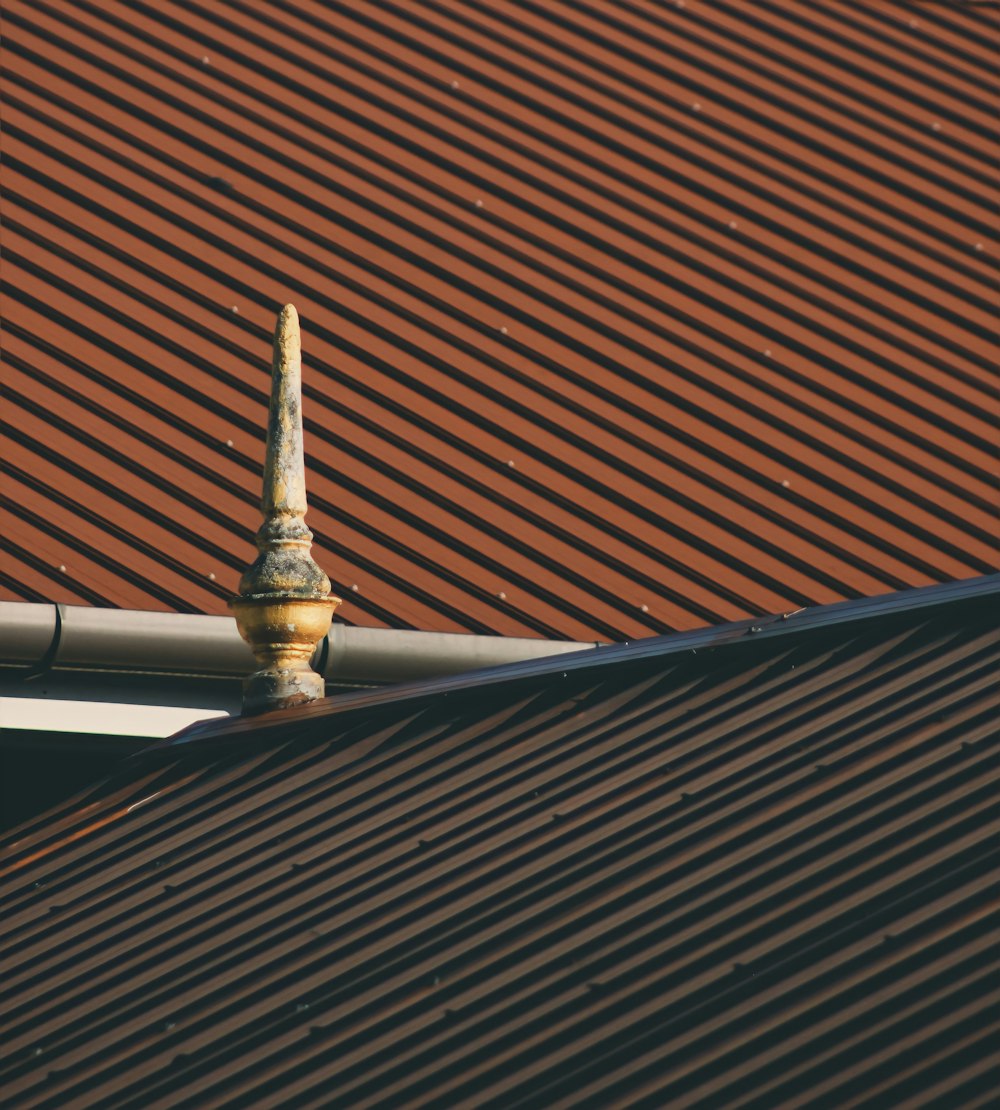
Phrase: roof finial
(284, 607)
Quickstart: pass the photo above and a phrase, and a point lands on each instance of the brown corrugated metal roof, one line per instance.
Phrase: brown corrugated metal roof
(619, 317)
(753, 875)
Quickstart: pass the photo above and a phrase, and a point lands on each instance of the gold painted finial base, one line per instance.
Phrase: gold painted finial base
(265, 691)
(282, 633)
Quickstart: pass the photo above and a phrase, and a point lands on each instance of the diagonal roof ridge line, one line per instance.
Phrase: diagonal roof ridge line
(923, 599)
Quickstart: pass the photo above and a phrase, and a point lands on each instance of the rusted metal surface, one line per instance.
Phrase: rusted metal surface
(284, 607)
(623, 318)
(757, 875)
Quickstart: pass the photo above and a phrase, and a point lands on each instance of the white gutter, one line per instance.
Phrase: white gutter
(48, 637)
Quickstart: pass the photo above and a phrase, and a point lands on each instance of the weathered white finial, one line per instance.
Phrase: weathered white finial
(284, 607)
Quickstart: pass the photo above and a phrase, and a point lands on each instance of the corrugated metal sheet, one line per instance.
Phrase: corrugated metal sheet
(620, 317)
(761, 875)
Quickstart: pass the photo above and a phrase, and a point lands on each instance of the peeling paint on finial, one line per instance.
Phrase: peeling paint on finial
(284, 607)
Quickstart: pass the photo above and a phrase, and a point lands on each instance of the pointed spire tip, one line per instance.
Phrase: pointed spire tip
(287, 336)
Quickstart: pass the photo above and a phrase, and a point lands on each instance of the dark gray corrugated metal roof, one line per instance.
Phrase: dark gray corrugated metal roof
(753, 875)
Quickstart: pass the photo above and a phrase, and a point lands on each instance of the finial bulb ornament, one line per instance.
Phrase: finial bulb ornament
(284, 607)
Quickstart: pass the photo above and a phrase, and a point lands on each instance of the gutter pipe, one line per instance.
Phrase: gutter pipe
(45, 637)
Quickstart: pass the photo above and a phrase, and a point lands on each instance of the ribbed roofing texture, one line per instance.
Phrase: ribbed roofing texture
(619, 317)
(753, 876)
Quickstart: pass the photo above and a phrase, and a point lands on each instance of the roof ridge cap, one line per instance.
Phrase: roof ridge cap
(815, 618)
